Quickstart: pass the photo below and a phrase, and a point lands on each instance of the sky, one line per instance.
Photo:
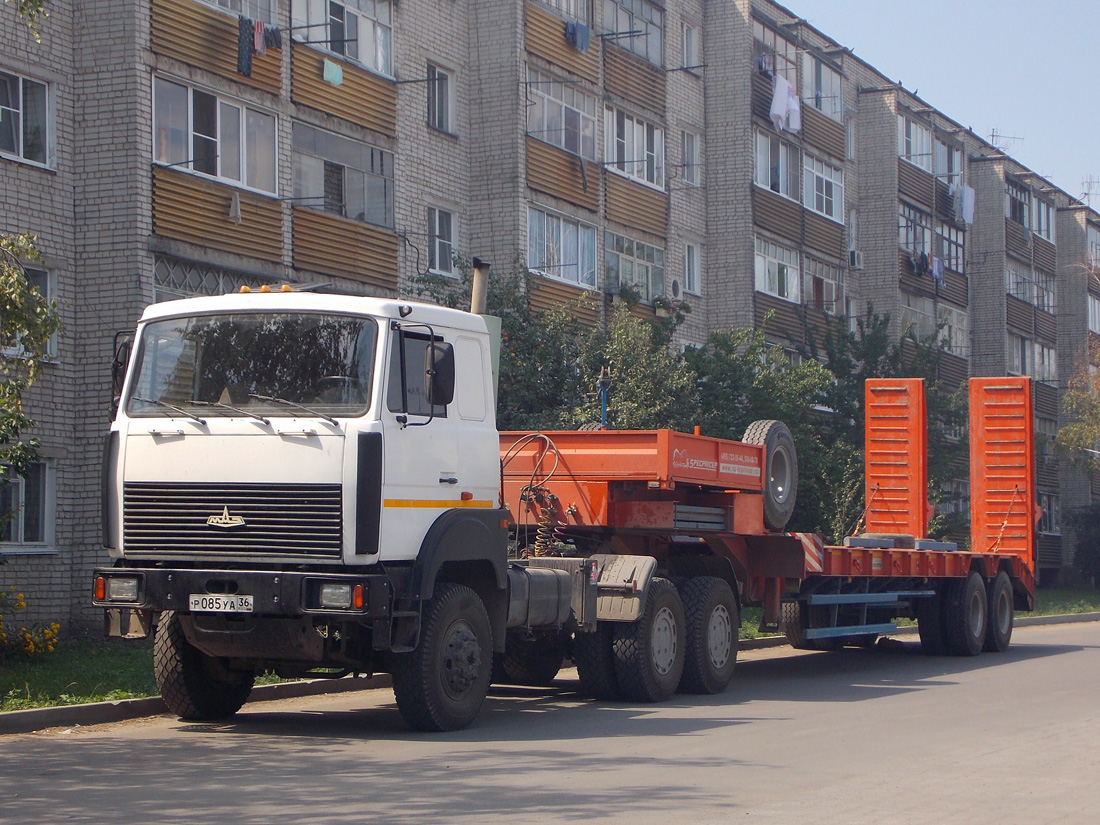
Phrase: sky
(1025, 68)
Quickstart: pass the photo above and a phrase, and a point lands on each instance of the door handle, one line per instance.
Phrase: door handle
(450, 480)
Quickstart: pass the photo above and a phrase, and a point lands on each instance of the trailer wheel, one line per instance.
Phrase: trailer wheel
(712, 619)
(999, 594)
(532, 662)
(930, 625)
(966, 616)
(193, 685)
(649, 653)
(442, 684)
(797, 617)
(595, 661)
(780, 472)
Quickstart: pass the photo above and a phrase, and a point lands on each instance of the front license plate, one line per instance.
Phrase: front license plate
(206, 603)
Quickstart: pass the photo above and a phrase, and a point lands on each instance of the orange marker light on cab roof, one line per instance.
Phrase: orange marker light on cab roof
(284, 288)
(245, 289)
(265, 288)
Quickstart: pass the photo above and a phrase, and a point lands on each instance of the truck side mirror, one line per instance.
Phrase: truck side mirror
(439, 369)
(124, 342)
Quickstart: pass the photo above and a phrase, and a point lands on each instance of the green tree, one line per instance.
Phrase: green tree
(1085, 522)
(33, 13)
(27, 322)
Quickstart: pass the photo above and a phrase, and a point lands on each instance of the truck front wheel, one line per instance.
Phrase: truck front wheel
(441, 685)
(710, 609)
(649, 653)
(193, 685)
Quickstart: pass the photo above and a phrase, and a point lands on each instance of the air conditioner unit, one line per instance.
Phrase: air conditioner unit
(674, 290)
(855, 259)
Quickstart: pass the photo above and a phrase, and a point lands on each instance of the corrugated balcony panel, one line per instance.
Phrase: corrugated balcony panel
(824, 236)
(194, 209)
(548, 293)
(634, 79)
(1019, 315)
(544, 35)
(777, 214)
(1046, 255)
(1015, 242)
(786, 322)
(201, 36)
(328, 243)
(362, 97)
(916, 184)
(822, 132)
(179, 518)
(563, 174)
(637, 205)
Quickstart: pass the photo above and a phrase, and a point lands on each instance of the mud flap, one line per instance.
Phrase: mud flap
(127, 623)
(622, 585)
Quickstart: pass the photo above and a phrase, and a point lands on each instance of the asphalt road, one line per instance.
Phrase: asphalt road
(856, 736)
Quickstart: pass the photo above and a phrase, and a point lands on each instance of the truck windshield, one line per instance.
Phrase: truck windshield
(255, 364)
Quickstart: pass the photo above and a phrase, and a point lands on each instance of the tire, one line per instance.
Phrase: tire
(930, 626)
(712, 623)
(780, 471)
(796, 618)
(1001, 614)
(649, 653)
(532, 662)
(966, 616)
(441, 685)
(595, 661)
(193, 685)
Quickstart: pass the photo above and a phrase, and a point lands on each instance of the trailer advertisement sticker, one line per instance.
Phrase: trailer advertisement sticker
(740, 463)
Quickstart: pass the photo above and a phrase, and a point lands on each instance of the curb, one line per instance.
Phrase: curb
(98, 713)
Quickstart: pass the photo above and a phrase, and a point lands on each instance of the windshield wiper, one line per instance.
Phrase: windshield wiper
(222, 406)
(172, 407)
(283, 401)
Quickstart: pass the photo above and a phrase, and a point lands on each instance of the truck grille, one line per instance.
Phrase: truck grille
(224, 519)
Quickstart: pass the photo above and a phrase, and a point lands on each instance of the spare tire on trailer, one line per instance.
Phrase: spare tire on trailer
(780, 471)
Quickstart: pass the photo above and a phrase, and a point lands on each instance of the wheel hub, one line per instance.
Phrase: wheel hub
(461, 659)
(664, 641)
(719, 637)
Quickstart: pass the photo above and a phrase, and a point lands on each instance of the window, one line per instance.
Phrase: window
(561, 114)
(1093, 235)
(1045, 291)
(634, 264)
(1018, 204)
(821, 86)
(954, 326)
(690, 51)
(360, 30)
(440, 92)
(948, 163)
(776, 165)
(914, 229)
(1044, 363)
(1046, 431)
(773, 53)
(692, 279)
(914, 142)
(952, 246)
(824, 188)
(639, 24)
(1051, 520)
(1043, 219)
(918, 315)
(173, 278)
(441, 239)
(342, 176)
(25, 119)
(689, 157)
(777, 271)
(823, 286)
(635, 148)
(1018, 281)
(561, 248)
(956, 497)
(570, 9)
(1094, 314)
(256, 9)
(411, 349)
(41, 280)
(26, 504)
(1017, 361)
(213, 136)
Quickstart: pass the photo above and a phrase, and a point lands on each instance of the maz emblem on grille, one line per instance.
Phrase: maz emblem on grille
(225, 520)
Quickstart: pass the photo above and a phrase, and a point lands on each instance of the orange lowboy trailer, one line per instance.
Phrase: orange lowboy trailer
(708, 506)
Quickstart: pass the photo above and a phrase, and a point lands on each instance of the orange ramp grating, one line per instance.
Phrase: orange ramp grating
(896, 456)
(1003, 512)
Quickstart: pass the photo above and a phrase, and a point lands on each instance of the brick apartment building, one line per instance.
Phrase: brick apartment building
(723, 153)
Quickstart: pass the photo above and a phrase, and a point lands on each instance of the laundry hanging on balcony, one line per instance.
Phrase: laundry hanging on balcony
(785, 111)
(246, 38)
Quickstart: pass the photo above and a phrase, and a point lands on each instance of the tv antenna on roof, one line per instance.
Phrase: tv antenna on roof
(1091, 186)
(1003, 142)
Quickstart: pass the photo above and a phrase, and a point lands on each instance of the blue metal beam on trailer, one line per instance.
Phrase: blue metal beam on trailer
(867, 598)
(850, 630)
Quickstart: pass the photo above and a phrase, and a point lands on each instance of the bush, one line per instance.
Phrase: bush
(24, 641)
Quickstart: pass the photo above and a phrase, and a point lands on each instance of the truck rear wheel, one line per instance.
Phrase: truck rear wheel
(966, 615)
(533, 662)
(712, 620)
(193, 685)
(441, 685)
(797, 617)
(999, 594)
(930, 626)
(595, 661)
(780, 471)
(649, 653)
